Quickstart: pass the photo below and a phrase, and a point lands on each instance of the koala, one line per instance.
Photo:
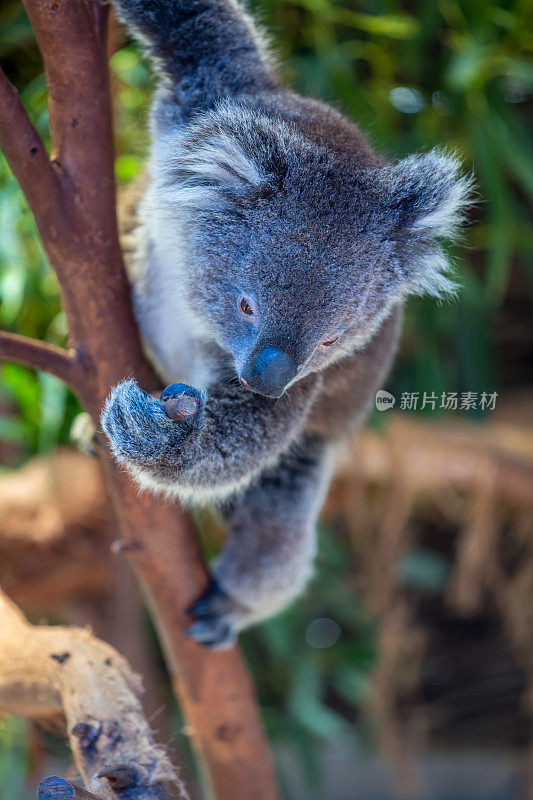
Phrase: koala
(270, 257)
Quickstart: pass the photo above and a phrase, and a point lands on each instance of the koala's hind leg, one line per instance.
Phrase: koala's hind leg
(268, 558)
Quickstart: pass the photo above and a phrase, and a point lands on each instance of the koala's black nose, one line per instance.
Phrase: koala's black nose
(270, 372)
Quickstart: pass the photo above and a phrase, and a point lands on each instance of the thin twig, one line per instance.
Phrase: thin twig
(26, 154)
(41, 355)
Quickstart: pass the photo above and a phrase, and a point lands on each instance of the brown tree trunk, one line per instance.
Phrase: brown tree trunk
(72, 196)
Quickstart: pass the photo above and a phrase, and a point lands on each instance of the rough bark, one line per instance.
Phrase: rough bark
(46, 672)
(72, 196)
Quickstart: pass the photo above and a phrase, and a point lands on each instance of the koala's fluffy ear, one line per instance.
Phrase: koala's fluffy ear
(428, 194)
(427, 197)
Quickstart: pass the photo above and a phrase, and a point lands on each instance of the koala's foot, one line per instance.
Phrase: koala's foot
(218, 619)
(141, 432)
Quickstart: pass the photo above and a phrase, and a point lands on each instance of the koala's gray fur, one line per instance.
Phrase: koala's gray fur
(252, 189)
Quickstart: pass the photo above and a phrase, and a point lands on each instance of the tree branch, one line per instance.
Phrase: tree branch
(79, 106)
(51, 671)
(43, 356)
(26, 154)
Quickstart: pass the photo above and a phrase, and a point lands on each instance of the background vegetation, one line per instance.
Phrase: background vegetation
(415, 75)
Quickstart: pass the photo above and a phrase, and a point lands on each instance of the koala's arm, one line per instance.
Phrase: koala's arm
(268, 558)
(208, 48)
(234, 434)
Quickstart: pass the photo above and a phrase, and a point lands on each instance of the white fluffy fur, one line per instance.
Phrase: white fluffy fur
(221, 160)
(197, 495)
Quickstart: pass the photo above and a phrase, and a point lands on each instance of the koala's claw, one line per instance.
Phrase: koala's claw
(213, 632)
(217, 619)
(181, 402)
(213, 601)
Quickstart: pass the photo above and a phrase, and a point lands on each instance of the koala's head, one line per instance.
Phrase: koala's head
(295, 251)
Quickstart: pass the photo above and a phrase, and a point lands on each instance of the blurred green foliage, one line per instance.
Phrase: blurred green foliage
(415, 75)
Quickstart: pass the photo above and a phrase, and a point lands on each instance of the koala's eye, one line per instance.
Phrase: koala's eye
(330, 342)
(248, 308)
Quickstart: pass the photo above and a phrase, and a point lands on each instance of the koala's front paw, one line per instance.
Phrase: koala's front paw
(140, 431)
(218, 619)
